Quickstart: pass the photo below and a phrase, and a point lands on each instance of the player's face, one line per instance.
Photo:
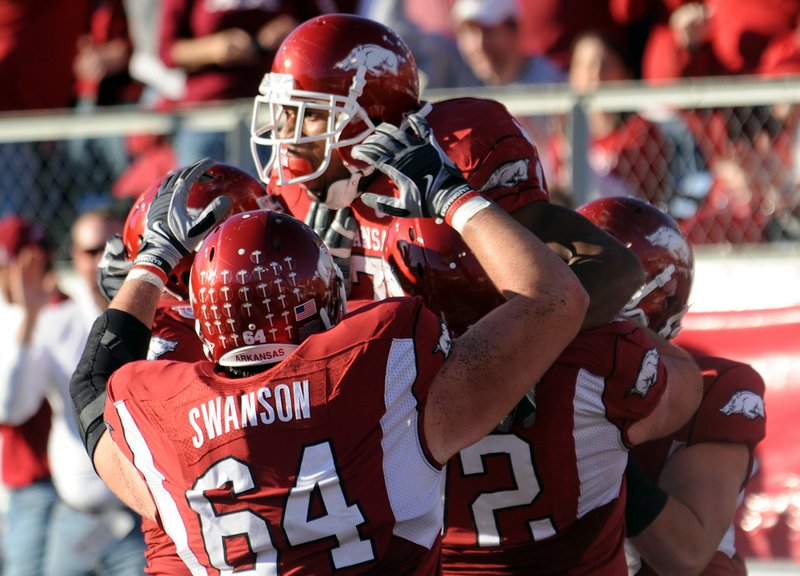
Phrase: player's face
(315, 122)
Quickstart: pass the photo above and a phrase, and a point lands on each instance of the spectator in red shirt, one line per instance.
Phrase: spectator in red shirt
(627, 154)
(101, 79)
(224, 48)
(708, 37)
(24, 468)
(38, 40)
(549, 27)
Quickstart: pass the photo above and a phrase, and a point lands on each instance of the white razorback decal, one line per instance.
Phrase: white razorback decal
(376, 59)
(672, 241)
(507, 175)
(648, 374)
(445, 344)
(745, 402)
(160, 346)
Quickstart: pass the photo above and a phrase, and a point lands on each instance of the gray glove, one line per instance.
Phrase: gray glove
(428, 181)
(170, 231)
(113, 268)
(337, 228)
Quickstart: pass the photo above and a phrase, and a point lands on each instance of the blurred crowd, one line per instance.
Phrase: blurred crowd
(729, 175)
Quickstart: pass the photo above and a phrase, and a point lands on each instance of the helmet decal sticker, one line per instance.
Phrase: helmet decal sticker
(671, 240)
(376, 59)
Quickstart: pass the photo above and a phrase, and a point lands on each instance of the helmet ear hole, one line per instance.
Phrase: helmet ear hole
(420, 258)
(211, 254)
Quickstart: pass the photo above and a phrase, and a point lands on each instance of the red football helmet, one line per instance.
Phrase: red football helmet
(246, 193)
(355, 71)
(426, 257)
(261, 283)
(663, 250)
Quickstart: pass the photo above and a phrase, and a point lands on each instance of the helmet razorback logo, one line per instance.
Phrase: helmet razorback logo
(376, 59)
(672, 241)
(508, 175)
(745, 402)
(648, 374)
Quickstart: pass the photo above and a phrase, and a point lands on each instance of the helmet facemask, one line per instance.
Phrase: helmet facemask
(277, 95)
(655, 291)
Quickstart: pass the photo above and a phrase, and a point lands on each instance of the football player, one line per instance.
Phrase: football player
(683, 490)
(313, 443)
(173, 333)
(333, 80)
(543, 492)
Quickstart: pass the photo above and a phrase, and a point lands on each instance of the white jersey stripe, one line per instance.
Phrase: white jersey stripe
(410, 492)
(600, 452)
(167, 509)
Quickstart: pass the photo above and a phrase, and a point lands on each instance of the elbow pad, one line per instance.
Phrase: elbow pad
(116, 338)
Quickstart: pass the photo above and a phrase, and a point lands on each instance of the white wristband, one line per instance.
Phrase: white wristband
(140, 273)
(467, 210)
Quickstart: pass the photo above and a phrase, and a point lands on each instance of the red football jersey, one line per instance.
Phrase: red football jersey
(493, 152)
(317, 465)
(174, 338)
(732, 410)
(544, 495)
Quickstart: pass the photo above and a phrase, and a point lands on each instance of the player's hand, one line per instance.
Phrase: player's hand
(170, 231)
(429, 183)
(113, 268)
(337, 228)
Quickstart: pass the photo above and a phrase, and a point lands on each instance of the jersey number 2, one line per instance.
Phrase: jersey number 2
(485, 505)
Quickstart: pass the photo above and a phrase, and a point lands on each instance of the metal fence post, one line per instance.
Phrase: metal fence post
(579, 144)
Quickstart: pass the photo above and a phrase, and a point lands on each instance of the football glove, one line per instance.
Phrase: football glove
(113, 268)
(337, 228)
(429, 182)
(170, 231)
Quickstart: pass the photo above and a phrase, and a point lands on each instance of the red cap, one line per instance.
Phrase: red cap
(16, 232)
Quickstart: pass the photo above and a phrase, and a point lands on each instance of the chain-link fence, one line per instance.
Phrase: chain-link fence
(721, 156)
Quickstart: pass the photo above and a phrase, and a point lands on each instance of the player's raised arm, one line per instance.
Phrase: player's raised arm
(122, 333)
(496, 361)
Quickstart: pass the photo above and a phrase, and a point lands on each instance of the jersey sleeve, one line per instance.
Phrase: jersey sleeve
(494, 151)
(635, 377)
(636, 387)
(732, 409)
(174, 336)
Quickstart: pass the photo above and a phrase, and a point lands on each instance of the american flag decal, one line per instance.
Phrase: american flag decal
(304, 310)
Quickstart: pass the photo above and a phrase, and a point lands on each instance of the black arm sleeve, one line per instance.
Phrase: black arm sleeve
(645, 500)
(116, 339)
